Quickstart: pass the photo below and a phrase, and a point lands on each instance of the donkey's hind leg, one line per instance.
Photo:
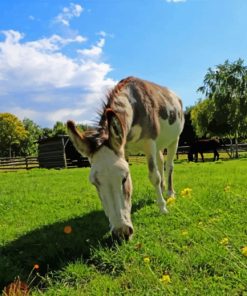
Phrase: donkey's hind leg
(160, 163)
(155, 166)
(171, 151)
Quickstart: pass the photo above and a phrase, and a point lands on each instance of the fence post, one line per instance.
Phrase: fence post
(64, 154)
(26, 162)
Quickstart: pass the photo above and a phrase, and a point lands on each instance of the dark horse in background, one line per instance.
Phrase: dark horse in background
(201, 146)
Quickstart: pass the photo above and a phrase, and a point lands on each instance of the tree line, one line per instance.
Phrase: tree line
(20, 138)
(222, 112)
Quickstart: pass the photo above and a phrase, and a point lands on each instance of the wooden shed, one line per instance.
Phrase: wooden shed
(59, 152)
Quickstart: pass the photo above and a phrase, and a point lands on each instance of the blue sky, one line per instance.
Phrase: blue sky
(58, 58)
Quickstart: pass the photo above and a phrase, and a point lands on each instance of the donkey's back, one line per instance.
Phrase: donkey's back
(152, 112)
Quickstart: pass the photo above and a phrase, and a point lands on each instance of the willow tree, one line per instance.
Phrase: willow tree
(225, 86)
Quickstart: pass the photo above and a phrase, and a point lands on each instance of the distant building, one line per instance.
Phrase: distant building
(59, 152)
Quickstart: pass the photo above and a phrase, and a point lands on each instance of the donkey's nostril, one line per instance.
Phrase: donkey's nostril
(123, 233)
(130, 230)
(128, 234)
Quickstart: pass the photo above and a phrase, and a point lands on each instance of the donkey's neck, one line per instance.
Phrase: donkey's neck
(123, 108)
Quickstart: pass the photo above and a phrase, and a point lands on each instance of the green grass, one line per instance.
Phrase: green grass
(36, 205)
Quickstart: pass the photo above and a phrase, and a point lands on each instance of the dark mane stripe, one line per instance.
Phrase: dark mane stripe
(115, 91)
(99, 135)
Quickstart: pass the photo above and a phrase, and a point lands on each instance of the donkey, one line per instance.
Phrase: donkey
(137, 116)
(201, 146)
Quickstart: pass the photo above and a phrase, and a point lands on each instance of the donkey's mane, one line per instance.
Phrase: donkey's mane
(98, 135)
(115, 91)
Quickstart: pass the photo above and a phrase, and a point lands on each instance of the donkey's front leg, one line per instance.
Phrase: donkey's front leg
(155, 177)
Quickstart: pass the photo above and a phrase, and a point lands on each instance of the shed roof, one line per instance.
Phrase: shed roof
(54, 138)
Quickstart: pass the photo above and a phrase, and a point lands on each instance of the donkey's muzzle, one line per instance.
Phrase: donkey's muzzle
(125, 232)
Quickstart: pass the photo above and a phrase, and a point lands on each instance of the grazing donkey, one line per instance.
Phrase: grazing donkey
(138, 116)
(201, 146)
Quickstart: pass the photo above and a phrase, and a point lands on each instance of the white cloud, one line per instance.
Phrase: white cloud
(55, 42)
(39, 81)
(175, 1)
(58, 115)
(64, 113)
(25, 113)
(68, 13)
(95, 51)
(12, 36)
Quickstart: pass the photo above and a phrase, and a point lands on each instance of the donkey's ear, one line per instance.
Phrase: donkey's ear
(77, 138)
(116, 130)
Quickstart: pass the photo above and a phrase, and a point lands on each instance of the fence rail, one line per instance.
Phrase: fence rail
(223, 148)
(31, 162)
(18, 163)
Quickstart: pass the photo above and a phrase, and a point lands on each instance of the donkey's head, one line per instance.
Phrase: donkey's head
(109, 170)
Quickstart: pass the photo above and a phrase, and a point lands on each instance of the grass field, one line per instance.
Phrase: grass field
(54, 235)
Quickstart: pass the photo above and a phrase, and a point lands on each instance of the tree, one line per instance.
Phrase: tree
(226, 90)
(12, 132)
(29, 146)
(47, 132)
(59, 128)
(188, 134)
(208, 121)
(84, 127)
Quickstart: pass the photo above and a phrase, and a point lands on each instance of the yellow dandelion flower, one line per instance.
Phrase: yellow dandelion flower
(184, 232)
(224, 241)
(171, 200)
(244, 251)
(186, 192)
(227, 188)
(146, 260)
(166, 279)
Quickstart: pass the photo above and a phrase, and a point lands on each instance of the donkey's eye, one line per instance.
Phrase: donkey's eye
(124, 180)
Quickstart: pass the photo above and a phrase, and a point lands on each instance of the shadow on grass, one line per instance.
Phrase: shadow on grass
(51, 248)
(141, 204)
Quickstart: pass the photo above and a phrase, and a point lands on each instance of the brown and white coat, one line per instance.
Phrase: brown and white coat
(138, 116)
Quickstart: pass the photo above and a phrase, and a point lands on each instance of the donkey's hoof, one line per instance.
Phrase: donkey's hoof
(164, 210)
(171, 193)
(162, 205)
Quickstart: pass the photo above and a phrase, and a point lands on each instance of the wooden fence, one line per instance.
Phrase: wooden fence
(227, 150)
(30, 162)
(17, 163)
